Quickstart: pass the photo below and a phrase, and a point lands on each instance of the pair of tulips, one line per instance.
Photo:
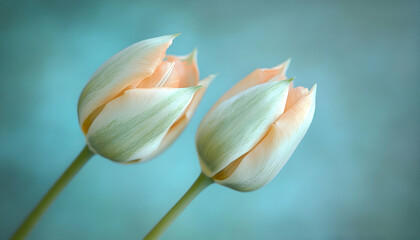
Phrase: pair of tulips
(139, 101)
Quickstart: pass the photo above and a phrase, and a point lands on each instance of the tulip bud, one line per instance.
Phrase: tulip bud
(251, 132)
(139, 101)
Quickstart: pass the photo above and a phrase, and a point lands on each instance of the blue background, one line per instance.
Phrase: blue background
(355, 175)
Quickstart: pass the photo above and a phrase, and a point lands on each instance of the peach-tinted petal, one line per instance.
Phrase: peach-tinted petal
(295, 94)
(187, 69)
(124, 69)
(265, 160)
(259, 76)
(164, 76)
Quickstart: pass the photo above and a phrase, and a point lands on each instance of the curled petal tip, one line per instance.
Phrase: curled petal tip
(206, 81)
(175, 35)
(285, 65)
(313, 89)
(192, 57)
(195, 89)
(194, 52)
(171, 37)
(212, 76)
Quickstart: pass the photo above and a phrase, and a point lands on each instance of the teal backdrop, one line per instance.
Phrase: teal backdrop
(356, 174)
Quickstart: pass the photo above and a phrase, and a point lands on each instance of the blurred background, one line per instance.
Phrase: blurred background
(355, 175)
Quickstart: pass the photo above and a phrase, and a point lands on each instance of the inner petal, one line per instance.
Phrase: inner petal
(164, 76)
(186, 67)
(295, 94)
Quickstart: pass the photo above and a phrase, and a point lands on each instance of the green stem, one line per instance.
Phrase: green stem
(36, 214)
(199, 185)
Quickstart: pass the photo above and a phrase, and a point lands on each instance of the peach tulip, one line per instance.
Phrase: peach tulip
(139, 101)
(253, 129)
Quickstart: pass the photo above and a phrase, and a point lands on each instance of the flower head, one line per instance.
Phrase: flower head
(138, 102)
(253, 129)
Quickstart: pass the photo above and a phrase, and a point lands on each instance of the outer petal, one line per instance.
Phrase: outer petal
(177, 128)
(133, 125)
(238, 124)
(261, 164)
(124, 69)
(259, 76)
(187, 69)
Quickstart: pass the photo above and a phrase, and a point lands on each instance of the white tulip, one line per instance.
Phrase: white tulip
(251, 132)
(139, 101)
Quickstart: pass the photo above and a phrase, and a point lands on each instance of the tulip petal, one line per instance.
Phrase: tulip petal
(186, 67)
(295, 94)
(265, 160)
(133, 125)
(177, 128)
(164, 75)
(260, 75)
(225, 134)
(126, 68)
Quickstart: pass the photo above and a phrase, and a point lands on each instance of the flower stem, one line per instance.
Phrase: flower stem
(59, 185)
(199, 185)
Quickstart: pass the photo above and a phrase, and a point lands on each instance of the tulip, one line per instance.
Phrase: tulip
(251, 132)
(134, 106)
(139, 101)
(248, 135)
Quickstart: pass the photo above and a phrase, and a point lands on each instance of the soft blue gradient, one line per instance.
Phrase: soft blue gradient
(356, 174)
